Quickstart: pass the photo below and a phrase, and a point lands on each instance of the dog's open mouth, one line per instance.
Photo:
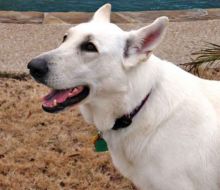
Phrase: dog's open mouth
(57, 100)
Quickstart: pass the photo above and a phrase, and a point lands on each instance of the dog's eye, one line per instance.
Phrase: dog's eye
(89, 46)
(64, 37)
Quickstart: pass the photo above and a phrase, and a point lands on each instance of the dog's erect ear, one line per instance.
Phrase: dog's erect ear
(103, 13)
(146, 39)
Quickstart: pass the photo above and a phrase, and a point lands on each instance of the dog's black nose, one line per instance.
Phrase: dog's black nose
(38, 68)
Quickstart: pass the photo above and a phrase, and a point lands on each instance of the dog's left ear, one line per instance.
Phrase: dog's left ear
(103, 13)
(145, 40)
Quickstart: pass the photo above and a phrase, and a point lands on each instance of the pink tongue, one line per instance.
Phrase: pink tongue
(59, 96)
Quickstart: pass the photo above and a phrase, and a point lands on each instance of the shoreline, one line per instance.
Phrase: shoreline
(32, 17)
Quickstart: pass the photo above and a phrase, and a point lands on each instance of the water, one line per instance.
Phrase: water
(92, 5)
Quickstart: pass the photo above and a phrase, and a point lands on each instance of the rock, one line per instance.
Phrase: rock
(71, 17)
(79, 17)
(116, 17)
(21, 17)
(50, 19)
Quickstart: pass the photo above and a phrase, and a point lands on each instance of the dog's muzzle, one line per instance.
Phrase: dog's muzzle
(38, 69)
(57, 99)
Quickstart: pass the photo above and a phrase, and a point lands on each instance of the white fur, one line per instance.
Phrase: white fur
(173, 141)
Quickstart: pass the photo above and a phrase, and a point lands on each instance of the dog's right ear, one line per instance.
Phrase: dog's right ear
(103, 13)
(143, 41)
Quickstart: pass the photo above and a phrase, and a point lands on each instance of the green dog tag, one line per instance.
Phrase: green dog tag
(100, 144)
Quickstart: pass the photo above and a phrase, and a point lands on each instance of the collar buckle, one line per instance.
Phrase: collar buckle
(122, 122)
(126, 119)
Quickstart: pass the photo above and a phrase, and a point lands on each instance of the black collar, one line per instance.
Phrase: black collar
(126, 119)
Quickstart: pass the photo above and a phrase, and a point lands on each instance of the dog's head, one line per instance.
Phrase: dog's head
(93, 59)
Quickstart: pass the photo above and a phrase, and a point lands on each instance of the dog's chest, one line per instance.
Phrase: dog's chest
(131, 163)
(128, 156)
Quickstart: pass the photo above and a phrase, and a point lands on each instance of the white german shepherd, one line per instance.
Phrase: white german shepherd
(168, 134)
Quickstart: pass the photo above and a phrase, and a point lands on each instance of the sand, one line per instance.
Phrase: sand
(21, 42)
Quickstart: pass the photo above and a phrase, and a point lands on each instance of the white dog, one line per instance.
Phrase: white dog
(161, 123)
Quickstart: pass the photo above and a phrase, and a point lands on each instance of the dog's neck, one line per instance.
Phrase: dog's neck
(126, 120)
(104, 112)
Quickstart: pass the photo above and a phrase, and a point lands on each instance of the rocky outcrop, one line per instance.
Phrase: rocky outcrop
(117, 17)
(21, 17)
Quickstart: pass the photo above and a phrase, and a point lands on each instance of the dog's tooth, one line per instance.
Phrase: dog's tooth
(75, 90)
(54, 102)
